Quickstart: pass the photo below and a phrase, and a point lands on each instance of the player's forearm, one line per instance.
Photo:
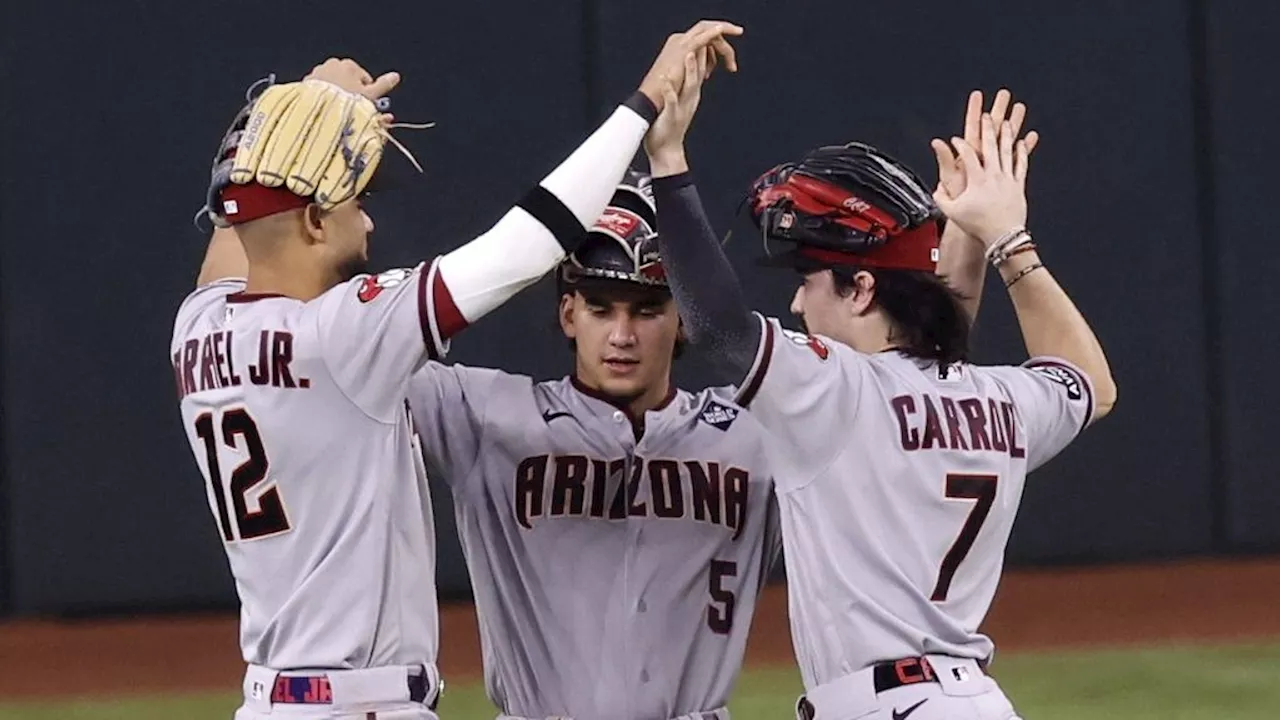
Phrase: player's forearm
(964, 266)
(703, 282)
(533, 237)
(224, 258)
(1051, 325)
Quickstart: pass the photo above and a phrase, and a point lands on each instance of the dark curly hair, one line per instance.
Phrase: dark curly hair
(926, 315)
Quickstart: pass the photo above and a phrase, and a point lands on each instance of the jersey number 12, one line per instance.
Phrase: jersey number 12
(238, 430)
(965, 487)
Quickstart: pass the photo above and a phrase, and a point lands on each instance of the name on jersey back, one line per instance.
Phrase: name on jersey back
(207, 363)
(970, 424)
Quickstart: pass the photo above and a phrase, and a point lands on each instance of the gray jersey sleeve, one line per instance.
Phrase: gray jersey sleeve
(1055, 401)
(449, 404)
(804, 389)
(374, 332)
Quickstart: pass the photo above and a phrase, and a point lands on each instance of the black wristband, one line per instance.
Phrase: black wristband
(642, 106)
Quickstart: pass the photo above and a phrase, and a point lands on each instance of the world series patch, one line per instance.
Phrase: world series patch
(719, 415)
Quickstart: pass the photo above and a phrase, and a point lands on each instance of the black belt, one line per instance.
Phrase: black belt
(315, 690)
(907, 671)
(888, 676)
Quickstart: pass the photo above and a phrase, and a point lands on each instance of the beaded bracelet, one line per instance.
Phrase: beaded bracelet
(1023, 273)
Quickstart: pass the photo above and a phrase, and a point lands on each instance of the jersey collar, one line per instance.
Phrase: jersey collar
(637, 422)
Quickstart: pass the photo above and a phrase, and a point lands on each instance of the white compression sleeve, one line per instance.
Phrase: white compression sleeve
(533, 237)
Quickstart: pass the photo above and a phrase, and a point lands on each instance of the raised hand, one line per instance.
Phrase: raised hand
(994, 200)
(348, 75)
(950, 170)
(664, 143)
(669, 66)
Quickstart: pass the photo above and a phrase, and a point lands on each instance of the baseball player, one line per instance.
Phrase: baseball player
(292, 374)
(900, 466)
(617, 530)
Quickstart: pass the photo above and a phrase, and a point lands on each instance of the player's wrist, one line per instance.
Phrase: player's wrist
(1016, 268)
(666, 162)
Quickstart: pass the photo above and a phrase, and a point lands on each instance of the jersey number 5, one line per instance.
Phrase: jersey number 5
(967, 487)
(720, 619)
(240, 431)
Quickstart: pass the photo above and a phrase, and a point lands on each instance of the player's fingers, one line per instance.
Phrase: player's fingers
(1021, 160)
(972, 114)
(1006, 147)
(361, 74)
(946, 160)
(969, 159)
(670, 98)
(726, 51)
(1032, 139)
(990, 149)
(709, 58)
(723, 27)
(385, 83)
(692, 72)
(1000, 106)
(1017, 116)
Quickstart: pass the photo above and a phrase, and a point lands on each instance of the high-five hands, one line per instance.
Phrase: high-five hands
(993, 201)
(664, 142)
(706, 37)
(951, 174)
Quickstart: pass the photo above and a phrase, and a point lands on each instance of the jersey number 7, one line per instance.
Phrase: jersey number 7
(240, 431)
(967, 487)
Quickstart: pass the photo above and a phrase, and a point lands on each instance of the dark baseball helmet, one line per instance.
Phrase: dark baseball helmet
(623, 243)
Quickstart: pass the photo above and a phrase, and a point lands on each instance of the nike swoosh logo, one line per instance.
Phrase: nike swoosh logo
(902, 715)
(548, 416)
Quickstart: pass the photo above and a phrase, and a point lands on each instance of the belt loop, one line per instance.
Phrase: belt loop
(804, 708)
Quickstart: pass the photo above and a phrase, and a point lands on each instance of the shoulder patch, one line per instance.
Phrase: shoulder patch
(373, 285)
(818, 347)
(719, 415)
(1063, 377)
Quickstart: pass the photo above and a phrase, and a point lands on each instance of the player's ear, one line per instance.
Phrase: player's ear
(566, 315)
(862, 299)
(312, 217)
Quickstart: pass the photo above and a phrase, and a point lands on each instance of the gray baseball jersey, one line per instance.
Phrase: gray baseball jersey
(898, 482)
(296, 416)
(614, 578)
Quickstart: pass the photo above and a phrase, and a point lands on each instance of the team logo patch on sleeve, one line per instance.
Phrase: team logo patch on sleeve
(818, 347)
(1063, 377)
(719, 415)
(373, 285)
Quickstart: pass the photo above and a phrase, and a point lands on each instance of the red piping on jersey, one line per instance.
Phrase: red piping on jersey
(447, 319)
(753, 385)
(248, 297)
(637, 422)
(441, 312)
